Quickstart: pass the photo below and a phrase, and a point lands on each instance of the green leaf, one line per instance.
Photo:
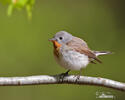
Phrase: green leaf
(31, 2)
(10, 10)
(29, 6)
(20, 3)
(29, 12)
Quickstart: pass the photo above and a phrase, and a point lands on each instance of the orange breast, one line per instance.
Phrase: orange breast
(56, 48)
(56, 44)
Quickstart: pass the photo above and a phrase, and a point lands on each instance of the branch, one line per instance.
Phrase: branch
(71, 79)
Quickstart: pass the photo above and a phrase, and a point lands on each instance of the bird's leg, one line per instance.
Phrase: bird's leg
(78, 76)
(80, 73)
(62, 75)
(65, 74)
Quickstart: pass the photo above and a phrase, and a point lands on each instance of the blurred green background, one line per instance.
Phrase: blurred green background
(25, 49)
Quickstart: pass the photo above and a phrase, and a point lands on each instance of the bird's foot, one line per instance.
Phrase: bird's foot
(61, 76)
(77, 78)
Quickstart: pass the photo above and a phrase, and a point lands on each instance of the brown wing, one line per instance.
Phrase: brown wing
(80, 46)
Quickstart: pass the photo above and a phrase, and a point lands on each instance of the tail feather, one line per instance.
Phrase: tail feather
(98, 53)
(98, 60)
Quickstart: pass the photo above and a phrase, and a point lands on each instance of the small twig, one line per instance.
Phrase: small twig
(71, 79)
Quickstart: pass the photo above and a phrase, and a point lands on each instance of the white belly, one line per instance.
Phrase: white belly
(72, 60)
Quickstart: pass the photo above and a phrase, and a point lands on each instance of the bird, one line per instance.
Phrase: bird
(73, 53)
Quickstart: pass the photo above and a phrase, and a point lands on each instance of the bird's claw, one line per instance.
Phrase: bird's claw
(61, 76)
(77, 77)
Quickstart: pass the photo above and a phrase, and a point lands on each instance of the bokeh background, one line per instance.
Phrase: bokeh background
(25, 49)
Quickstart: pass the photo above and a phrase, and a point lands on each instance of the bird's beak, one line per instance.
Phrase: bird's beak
(52, 39)
(55, 43)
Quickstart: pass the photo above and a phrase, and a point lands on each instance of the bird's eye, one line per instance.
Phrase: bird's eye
(60, 38)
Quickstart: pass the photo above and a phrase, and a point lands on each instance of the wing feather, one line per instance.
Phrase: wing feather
(81, 46)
